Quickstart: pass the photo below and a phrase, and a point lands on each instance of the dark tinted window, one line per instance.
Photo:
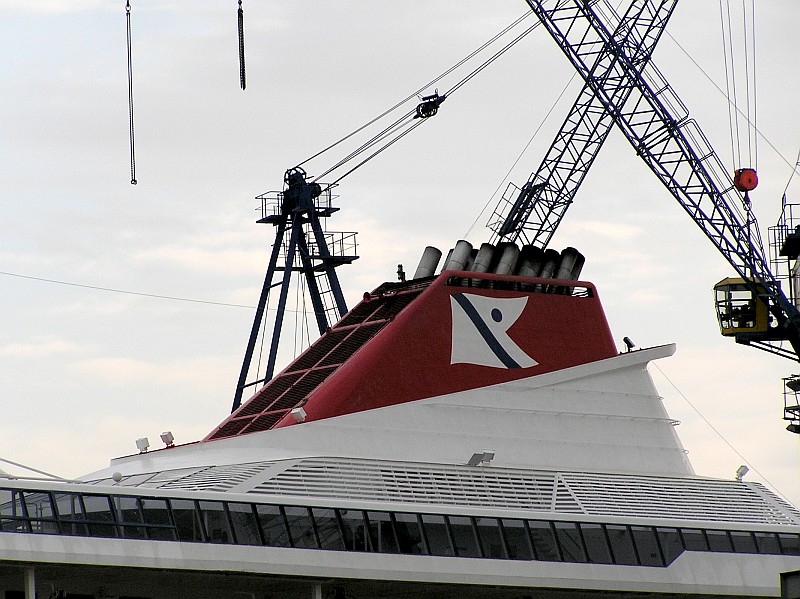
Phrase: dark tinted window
(273, 525)
(671, 543)
(409, 536)
(215, 520)
(622, 544)
(99, 513)
(767, 542)
(464, 536)
(301, 528)
(789, 544)
(436, 534)
(596, 544)
(517, 539)
(381, 533)
(330, 534)
(694, 539)
(743, 542)
(569, 539)
(70, 513)
(718, 541)
(544, 542)
(245, 524)
(356, 535)
(156, 513)
(187, 520)
(644, 537)
(490, 537)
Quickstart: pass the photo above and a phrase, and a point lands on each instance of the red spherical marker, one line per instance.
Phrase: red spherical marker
(745, 179)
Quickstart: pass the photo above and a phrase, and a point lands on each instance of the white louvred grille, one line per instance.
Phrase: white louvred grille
(594, 494)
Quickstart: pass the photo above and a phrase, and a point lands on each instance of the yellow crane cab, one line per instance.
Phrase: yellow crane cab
(739, 310)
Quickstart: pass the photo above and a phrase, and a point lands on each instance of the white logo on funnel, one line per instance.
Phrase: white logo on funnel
(480, 331)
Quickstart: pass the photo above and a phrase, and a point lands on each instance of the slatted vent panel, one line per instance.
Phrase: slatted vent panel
(593, 494)
(291, 388)
(694, 499)
(425, 484)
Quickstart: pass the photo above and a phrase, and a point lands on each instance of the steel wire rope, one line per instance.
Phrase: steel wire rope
(718, 433)
(761, 135)
(399, 123)
(522, 153)
(733, 125)
(423, 88)
(130, 91)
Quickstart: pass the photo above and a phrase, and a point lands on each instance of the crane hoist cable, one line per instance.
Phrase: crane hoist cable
(240, 22)
(130, 92)
(427, 107)
(742, 122)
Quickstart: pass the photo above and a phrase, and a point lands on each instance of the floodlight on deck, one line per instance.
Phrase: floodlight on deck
(142, 444)
(168, 438)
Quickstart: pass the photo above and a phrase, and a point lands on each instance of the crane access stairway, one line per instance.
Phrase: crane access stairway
(284, 396)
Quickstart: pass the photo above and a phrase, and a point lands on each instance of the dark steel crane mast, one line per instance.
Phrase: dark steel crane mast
(635, 96)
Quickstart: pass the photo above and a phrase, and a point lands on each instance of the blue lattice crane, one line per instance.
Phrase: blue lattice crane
(623, 87)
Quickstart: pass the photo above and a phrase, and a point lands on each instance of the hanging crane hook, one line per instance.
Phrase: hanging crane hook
(130, 92)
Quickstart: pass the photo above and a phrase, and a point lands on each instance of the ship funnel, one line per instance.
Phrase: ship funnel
(530, 261)
(428, 262)
(571, 264)
(508, 256)
(459, 257)
(483, 260)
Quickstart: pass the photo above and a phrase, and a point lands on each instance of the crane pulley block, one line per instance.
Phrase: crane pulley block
(745, 179)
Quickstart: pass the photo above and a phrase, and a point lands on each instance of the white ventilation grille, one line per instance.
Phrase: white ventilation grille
(587, 493)
(426, 484)
(218, 478)
(593, 494)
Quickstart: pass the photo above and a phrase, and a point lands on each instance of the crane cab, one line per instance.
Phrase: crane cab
(739, 310)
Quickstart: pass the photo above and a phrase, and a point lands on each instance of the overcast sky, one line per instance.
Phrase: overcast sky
(85, 372)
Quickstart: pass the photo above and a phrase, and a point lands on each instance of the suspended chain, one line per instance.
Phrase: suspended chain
(130, 92)
(544, 199)
(242, 77)
(668, 145)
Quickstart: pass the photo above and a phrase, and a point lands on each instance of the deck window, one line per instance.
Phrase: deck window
(187, 520)
(597, 548)
(301, 527)
(245, 524)
(694, 539)
(743, 542)
(215, 521)
(465, 536)
(70, 513)
(647, 547)
(719, 541)
(437, 535)
(358, 536)
(157, 517)
(491, 538)
(518, 539)
(409, 535)
(273, 525)
(569, 539)
(767, 542)
(545, 546)
(790, 544)
(100, 516)
(622, 545)
(381, 533)
(328, 529)
(671, 544)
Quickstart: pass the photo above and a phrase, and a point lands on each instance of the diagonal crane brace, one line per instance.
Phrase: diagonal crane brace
(657, 125)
